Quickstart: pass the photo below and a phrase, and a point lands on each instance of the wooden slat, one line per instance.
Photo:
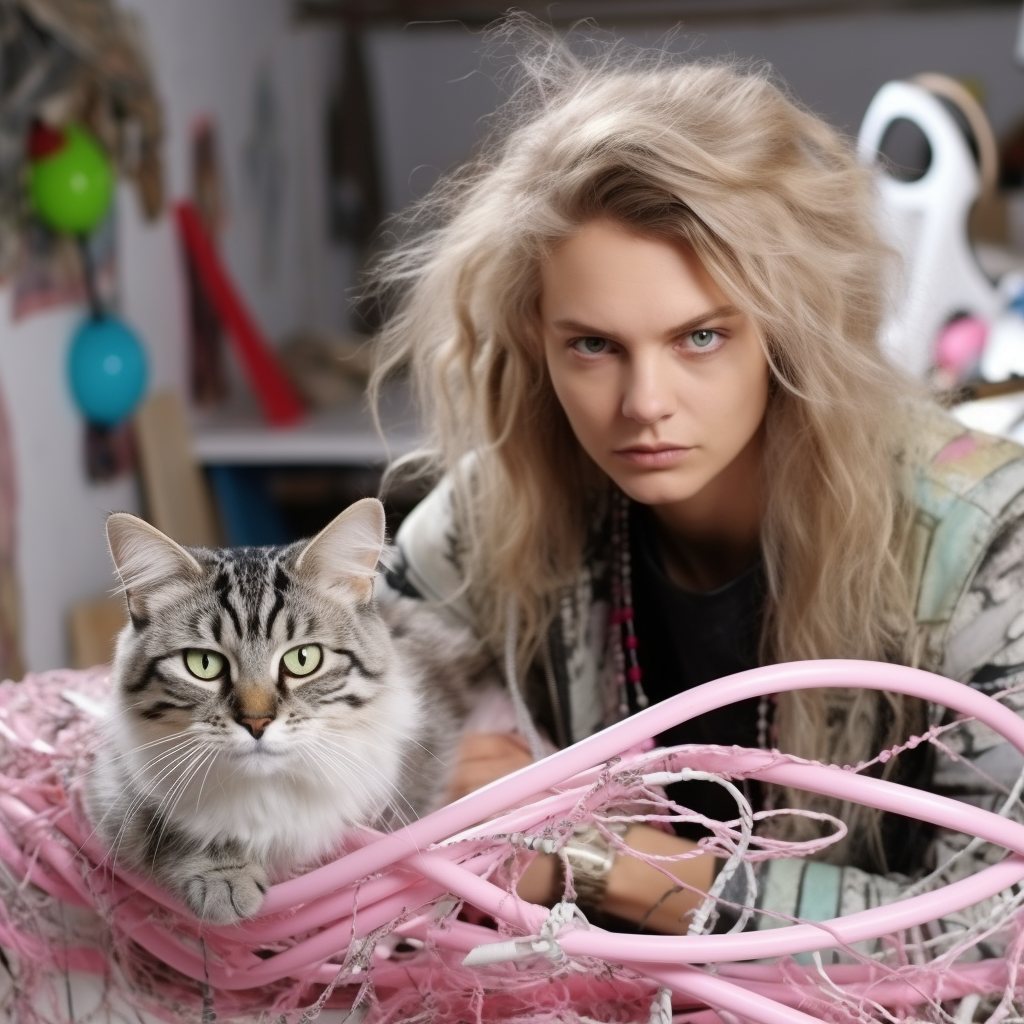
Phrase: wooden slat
(176, 496)
(94, 626)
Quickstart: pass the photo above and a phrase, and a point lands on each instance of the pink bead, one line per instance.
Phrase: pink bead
(631, 643)
(634, 674)
(627, 614)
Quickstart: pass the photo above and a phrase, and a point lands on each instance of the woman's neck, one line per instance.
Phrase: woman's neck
(711, 538)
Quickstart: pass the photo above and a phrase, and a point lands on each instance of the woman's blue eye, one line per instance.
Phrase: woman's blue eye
(704, 337)
(590, 346)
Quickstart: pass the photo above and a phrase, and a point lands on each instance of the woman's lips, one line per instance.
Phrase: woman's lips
(653, 456)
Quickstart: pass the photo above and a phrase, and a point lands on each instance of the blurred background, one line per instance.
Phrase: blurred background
(254, 147)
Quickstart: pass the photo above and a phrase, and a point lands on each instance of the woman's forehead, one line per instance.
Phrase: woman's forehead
(609, 272)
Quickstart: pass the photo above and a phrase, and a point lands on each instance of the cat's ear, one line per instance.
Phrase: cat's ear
(346, 551)
(145, 558)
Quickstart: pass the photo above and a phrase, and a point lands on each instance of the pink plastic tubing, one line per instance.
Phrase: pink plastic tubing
(450, 852)
(700, 949)
(555, 769)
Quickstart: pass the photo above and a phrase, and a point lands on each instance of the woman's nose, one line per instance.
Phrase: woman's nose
(647, 392)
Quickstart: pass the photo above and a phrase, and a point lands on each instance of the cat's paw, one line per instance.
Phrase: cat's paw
(226, 894)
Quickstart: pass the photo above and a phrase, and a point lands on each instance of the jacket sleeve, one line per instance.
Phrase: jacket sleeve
(427, 555)
(984, 648)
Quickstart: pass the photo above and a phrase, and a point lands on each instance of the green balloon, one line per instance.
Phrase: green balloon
(71, 189)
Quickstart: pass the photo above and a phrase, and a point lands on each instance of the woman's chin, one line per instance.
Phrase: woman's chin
(653, 488)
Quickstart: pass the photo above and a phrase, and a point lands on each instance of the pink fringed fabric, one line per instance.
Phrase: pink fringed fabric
(423, 924)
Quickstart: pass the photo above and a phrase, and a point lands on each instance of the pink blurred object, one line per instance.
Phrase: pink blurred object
(960, 345)
(380, 926)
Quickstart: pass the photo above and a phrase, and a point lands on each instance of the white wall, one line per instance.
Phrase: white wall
(205, 55)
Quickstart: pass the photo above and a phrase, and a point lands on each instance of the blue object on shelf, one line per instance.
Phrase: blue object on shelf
(247, 510)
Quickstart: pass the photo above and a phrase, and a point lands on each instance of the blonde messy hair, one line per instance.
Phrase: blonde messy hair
(718, 158)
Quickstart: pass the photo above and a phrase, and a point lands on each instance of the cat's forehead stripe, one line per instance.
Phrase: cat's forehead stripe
(281, 584)
(223, 587)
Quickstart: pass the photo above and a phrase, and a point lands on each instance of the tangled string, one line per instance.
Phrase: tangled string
(424, 924)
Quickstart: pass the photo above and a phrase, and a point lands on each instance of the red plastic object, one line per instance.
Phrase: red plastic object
(277, 397)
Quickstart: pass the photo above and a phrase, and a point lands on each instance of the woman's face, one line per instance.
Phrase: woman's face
(663, 380)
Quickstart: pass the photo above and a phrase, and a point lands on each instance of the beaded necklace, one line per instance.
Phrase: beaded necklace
(622, 611)
(628, 674)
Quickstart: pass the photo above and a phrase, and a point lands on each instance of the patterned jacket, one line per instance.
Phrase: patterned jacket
(968, 559)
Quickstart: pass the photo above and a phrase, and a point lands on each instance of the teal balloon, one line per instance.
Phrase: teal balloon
(107, 370)
(71, 188)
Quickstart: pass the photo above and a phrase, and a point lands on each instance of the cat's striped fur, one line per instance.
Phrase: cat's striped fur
(218, 787)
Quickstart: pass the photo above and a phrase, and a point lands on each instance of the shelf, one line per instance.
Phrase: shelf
(344, 436)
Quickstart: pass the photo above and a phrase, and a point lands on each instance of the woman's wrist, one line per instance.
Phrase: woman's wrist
(639, 892)
(589, 855)
(540, 882)
(631, 889)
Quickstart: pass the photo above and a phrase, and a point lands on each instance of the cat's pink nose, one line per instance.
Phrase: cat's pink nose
(257, 726)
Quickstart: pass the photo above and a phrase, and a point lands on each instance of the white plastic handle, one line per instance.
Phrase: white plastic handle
(926, 220)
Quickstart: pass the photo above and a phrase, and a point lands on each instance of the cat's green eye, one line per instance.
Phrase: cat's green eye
(303, 660)
(205, 665)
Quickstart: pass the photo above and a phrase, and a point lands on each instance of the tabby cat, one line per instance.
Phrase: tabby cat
(265, 701)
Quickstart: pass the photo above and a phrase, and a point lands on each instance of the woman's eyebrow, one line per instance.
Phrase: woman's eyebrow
(718, 313)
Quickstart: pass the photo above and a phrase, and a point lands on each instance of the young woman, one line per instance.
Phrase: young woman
(643, 326)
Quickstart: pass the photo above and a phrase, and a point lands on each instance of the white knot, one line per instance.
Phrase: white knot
(543, 944)
(661, 1008)
(540, 844)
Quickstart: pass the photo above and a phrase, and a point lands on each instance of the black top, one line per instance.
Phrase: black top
(686, 638)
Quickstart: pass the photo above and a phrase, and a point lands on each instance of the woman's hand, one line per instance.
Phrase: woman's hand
(484, 757)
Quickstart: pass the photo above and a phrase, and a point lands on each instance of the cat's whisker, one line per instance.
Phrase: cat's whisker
(181, 781)
(169, 753)
(209, 767)
(408, 739)
(112, 716)
(152, 763)
(115, 843)
(153, 743)
(335, 747)
(347, 769)
(335, 763)
(177, 791)
(100, 765)
(349, 759)
(139, 800)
